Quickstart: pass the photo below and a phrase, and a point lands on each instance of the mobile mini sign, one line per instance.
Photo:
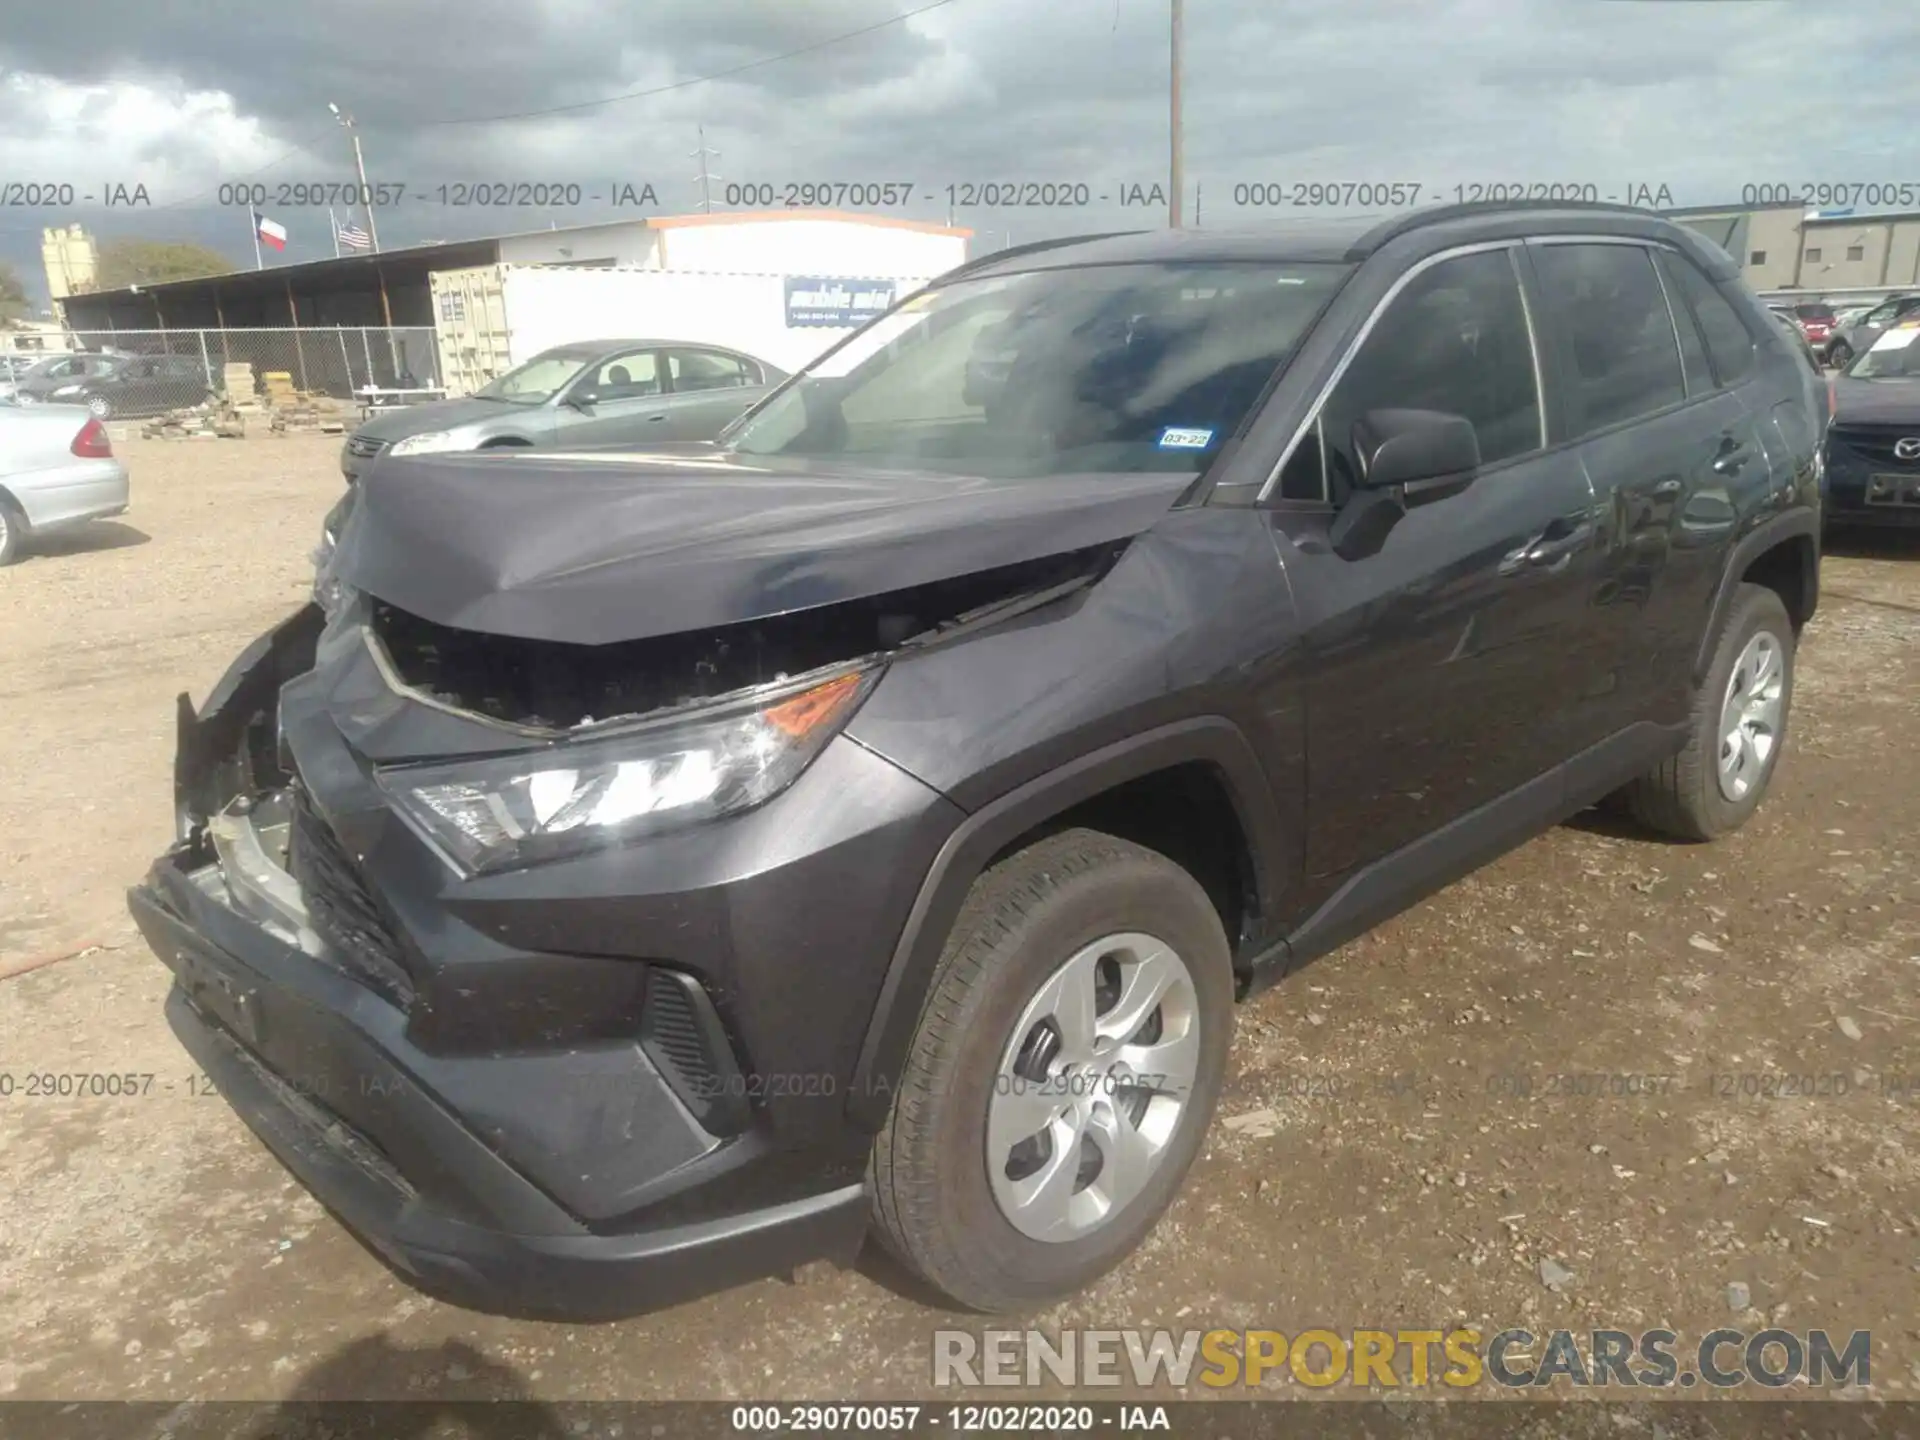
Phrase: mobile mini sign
(818, 300)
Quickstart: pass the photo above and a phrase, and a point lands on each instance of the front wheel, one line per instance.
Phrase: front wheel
(1839, 354)
(1737, 730)
(1067, 1064)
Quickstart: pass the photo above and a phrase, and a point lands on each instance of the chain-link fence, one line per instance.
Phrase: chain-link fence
(341, 362)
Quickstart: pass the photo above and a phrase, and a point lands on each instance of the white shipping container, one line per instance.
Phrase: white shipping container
(493, 317)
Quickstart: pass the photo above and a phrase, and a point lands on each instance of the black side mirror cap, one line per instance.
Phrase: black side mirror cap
(1408, 447)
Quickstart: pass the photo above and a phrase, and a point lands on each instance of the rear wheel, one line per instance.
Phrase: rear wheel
(1066, 1066)
(99, 407)
(1737, 730)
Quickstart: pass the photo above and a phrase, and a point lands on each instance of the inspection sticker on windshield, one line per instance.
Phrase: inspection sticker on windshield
(1174, 438)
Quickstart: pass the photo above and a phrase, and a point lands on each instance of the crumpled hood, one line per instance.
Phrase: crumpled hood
(594, 549)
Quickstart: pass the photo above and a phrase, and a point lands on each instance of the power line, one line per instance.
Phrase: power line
(700, 80)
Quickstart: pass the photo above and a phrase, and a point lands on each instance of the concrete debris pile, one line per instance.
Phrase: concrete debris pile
(307, 414)
(242, 394)
(214, 420)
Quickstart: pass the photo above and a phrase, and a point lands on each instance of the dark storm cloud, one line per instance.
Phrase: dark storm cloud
(1704, 97)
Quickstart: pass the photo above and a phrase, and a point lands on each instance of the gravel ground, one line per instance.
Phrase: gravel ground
(1377, 1167)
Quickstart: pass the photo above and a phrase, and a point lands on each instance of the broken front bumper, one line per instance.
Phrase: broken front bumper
(527, 1118)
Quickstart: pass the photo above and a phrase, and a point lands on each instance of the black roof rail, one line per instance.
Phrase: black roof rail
(1398, 225)
(1032, 247)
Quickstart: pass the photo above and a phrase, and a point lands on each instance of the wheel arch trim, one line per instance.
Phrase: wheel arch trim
(1797, 524)
(1213, 740)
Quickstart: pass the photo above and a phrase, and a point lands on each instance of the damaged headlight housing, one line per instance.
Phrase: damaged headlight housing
(586, 794)
(328, 592)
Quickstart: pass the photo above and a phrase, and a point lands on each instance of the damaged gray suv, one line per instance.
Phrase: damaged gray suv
(648, 872)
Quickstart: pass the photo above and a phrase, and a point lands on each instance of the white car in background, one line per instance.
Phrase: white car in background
(57, 470)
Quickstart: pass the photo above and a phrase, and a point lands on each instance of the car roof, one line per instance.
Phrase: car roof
(589, 348)
(1352, 239)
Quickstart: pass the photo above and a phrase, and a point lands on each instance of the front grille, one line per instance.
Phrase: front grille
(365, 446)
(1876, 442)
(340, 907)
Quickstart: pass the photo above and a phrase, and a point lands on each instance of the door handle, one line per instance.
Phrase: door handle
(1732, 457)
(1551, 550)
(652, 418)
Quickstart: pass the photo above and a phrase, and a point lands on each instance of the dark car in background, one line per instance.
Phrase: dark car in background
(595, 394)
(646, 873)
(120, 385)
(1873, 442)
(1859, 337)
(63, 375)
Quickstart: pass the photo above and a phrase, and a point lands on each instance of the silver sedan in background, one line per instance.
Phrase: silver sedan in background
(57, 470)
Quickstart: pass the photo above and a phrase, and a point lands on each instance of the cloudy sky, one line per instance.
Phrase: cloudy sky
(1703, 97)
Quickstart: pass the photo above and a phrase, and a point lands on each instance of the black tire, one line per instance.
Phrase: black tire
(932, 1198)
(1683, 797)
(13, 531)
(1838, 354)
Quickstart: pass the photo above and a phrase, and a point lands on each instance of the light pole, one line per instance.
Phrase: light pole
(1174, 166)
(360, 166)
(373, 242)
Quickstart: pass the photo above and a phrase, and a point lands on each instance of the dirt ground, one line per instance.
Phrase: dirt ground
(1380, 1165)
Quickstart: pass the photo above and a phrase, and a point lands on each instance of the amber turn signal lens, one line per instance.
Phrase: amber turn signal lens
(812, 708)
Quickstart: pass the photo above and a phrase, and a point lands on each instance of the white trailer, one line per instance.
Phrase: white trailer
(781, 288)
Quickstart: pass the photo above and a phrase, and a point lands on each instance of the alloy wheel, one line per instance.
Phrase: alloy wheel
(1092, 1087)
(1750, 715)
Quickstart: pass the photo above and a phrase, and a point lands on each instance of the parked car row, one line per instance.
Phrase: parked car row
(1100, 635)
(111, 385)
(1838, 335)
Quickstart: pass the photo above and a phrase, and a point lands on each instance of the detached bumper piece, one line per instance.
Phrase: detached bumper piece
(307, 1057)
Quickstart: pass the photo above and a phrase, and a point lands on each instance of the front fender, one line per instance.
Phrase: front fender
(985, 832)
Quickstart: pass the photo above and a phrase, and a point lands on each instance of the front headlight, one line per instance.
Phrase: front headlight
(578, 795)
(428, 441)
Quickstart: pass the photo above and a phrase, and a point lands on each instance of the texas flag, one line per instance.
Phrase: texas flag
(273, 234)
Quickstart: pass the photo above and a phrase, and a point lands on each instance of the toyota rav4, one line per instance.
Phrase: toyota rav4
(647, 872)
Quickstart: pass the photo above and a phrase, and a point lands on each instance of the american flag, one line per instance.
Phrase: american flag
(353, 237)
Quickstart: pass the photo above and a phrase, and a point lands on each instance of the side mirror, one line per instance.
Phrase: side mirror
(581, 400)
(1407, 458)
(1419, 449)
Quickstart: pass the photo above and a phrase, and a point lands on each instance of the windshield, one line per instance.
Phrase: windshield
(1892, 357)
(537, 381)
(1814, 312)
(1053, 372)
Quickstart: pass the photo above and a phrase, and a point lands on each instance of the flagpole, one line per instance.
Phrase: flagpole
(254, 214)
(334, 226)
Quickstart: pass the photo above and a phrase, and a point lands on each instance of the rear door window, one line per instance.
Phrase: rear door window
(1616, 331)
(1729, 342)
